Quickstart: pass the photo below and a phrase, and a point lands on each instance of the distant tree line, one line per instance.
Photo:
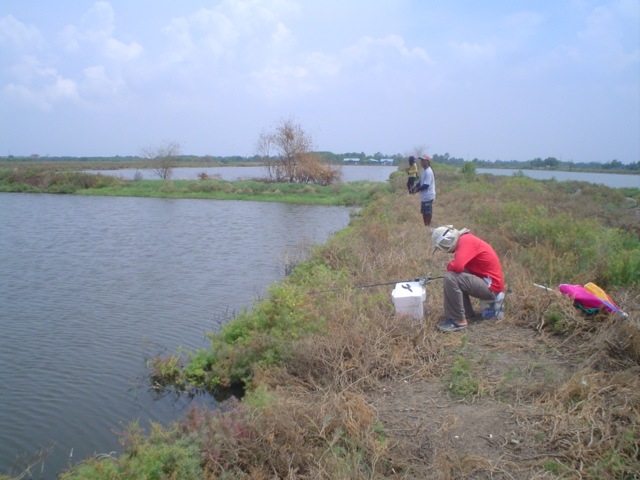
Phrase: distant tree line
(549, 163)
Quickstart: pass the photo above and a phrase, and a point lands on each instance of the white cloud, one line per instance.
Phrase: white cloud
(94, 36)
(473, 51)
(29, 70)
(311, 74)
(259, 58)
(15, 34)
(282, 35)
(317, 71)
(239, 30)
(92, 59)
(96, 82)
(25, 95)
(61, 88)
(523, 23)
(369, 49)
(207, 31)
(119, 51)
(57, 88)
(99, 20)
(39, 84)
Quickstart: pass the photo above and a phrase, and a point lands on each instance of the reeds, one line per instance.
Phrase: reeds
(353, 391)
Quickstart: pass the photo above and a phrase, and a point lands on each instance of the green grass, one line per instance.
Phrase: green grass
(35, 180)
(354, 193)
(460, 381)
(260, 337)
(547, 229)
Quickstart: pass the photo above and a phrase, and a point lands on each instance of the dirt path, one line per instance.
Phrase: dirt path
(478, 437)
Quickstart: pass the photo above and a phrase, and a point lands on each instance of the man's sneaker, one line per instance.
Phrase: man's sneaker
(450, 326)
(498, 306)
(493, 309)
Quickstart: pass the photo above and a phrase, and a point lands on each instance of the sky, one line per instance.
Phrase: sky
(495, 80)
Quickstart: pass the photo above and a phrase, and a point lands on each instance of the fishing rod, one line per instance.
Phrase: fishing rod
(422, 281)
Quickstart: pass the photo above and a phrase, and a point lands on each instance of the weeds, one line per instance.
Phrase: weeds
(38, 180)
(461, 381)
(317, 354)
(44, 180)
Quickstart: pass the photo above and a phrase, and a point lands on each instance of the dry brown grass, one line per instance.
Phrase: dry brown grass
(358, 352)
(555, 393)
(545, 393)
(558, 391)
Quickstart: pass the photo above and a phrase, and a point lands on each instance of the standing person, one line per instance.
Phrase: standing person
(412, 174)
(475, 271)
(427, 189)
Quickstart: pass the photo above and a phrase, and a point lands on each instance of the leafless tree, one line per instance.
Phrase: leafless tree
(164, 158)
(287, 152)
(419, 151)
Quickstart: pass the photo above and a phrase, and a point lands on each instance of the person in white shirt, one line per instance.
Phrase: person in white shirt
(427, 189)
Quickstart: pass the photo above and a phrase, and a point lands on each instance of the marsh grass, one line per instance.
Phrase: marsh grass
(48, 180)
(461, 381)
(317, 352)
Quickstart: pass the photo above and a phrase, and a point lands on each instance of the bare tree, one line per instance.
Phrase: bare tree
(288, 156)
(164, 158)
(419, 151)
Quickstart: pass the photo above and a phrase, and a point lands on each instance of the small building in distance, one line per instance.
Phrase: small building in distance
(387, 160)
(350, 160)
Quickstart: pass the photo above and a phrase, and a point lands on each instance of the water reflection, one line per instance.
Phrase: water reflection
(93, 286)
(350, 173)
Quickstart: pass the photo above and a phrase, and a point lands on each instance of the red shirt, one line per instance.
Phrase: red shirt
(477, 257)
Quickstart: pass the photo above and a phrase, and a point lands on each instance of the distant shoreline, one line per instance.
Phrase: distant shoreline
(118, 163)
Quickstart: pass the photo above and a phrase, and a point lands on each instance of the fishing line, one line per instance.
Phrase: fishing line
(422, 281)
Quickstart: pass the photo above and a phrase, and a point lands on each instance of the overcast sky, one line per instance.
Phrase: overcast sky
(494, 80)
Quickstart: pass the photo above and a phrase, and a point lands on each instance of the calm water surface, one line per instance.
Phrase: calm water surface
(381, 173)
(350, 173)
(612, 180)
(91, 286)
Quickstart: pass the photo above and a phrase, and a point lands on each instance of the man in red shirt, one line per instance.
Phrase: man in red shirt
(475, 271)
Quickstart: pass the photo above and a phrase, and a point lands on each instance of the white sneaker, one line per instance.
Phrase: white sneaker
(498, 305)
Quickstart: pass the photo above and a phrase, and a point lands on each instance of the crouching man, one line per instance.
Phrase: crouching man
(475, 271)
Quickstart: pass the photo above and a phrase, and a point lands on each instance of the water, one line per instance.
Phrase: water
(350, 173)
(91, 286)
(612, 180)
(381, 173)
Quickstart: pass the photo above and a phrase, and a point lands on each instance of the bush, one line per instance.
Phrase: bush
(48, 181)
(260, 337)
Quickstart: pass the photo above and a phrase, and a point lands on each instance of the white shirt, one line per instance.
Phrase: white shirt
(427, 178)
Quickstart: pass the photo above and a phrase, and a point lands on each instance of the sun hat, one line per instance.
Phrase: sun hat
(445, 238)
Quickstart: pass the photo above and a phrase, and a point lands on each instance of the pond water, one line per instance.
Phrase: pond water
(92, 286)
(612, 180)
(381, 173)
(350, 173)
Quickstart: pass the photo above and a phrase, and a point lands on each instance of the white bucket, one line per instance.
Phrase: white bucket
(408, 300)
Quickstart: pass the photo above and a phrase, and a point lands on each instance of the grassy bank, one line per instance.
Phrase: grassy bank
(39, 180)
(339, 388)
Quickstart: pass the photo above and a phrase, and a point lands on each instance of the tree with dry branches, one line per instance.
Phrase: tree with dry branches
(164, 158)
(288, 156)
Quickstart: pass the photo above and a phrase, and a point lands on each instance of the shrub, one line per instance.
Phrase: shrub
(262, 336)
(461, 382)
(468, 169)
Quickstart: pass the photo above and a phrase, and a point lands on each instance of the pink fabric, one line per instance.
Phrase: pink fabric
(585, 298)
